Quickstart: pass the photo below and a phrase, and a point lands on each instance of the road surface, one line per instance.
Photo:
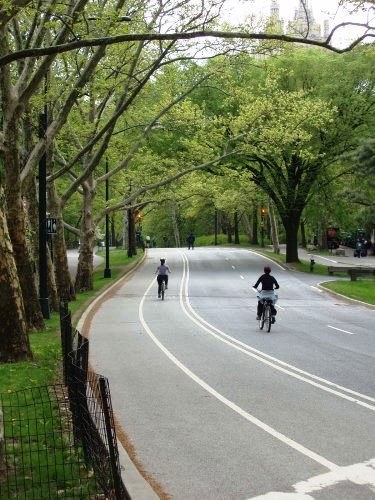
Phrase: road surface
(73, 261)
(216, 408)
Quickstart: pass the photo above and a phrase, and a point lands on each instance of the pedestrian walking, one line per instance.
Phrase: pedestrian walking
(190, 241)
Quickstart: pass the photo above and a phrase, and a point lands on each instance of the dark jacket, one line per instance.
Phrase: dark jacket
(268, 282)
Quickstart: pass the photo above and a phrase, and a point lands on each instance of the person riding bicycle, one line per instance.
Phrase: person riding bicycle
(269, 283)
(162, 275)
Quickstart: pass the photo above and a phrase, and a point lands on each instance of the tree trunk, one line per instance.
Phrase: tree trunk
(255, 226)
(291, 225)
(64, 284)
(303, 235)
(17, 231)
(246, 226)
(53, 298)
(230, 234)
(30, 197)
(14, 341)
(85, 267)
(323, 237)
(274, 228)
(113, 232)
(125, 230)
(236, 232)
(133, 241)
(32, 219)
(176, 231)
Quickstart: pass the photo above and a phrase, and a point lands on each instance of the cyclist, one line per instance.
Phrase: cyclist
(162, 275)
(269, 283)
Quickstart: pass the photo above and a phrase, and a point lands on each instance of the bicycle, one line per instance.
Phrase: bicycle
(266, 316)
(162, 290)
(162, 286)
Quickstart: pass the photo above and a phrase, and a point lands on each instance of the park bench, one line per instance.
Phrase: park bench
(359, 272)
(339, 269)
(354, 272)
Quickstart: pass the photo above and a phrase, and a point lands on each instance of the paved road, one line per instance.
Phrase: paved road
(348, 259)
(73, 261)
(217, 409)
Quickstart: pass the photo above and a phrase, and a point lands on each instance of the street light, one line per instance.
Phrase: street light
(107, 271)
(130, 228)
(42, 173)
(263, 213)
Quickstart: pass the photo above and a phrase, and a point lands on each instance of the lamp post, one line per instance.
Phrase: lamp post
(42, 172)
(130, 232)
(263, 213)
(107, 271)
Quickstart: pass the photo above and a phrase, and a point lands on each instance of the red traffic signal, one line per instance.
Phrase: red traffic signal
(263, 212)
(139, 217)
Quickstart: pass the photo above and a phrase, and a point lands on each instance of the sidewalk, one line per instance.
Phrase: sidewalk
(73, 255)
(346, 260)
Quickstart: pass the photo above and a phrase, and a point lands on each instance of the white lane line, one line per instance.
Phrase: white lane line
(240, 411)
(233, 267)
(341, 330)
(329, 260)
(267, 258)
(316, 289)
(242, 277)
(263, 357)
(361, 474)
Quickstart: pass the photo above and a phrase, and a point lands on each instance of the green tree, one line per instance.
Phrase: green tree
(292, 128)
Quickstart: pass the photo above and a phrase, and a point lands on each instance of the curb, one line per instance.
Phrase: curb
(138, 487)
(344, 297)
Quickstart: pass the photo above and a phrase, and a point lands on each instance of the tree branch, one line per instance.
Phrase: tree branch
(93, 42)
(155, 185)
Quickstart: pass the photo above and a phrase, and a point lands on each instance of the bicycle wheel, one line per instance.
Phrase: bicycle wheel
(262, 316)
(267, 317)
(162, 290)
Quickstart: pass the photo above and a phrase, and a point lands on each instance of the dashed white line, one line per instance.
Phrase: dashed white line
(341, 330)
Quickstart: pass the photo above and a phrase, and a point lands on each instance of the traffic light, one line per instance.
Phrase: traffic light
(139, 217)
(263, 212)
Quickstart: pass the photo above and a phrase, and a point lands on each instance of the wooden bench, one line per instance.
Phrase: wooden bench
(354, 272)
(339, 269)
(358, 272)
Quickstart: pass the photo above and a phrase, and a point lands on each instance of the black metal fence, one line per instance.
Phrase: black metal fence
(59, 440)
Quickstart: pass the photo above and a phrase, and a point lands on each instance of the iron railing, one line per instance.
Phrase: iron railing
(59, 441)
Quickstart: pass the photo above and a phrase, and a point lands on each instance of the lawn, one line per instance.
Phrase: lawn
(359, 290)
(38, 434)
(46, 344)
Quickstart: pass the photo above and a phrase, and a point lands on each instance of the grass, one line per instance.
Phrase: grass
(52, 468)
(46, 344)
(359, 290)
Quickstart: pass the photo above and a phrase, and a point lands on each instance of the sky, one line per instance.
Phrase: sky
(322, 9)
